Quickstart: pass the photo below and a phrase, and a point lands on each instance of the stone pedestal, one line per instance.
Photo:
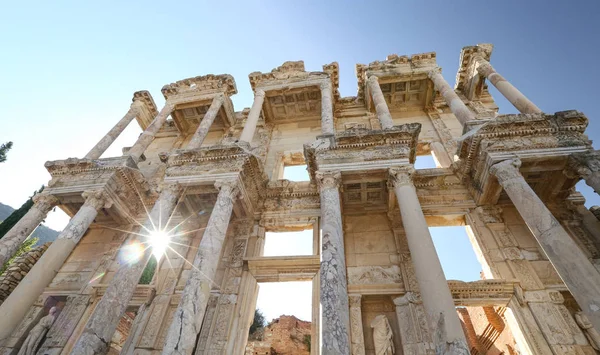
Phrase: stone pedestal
(253, 115)
(327, 126)
(357, 336)
(458, 108)
(381, 107)
(447, 333)
(520, 101)
(110, 137)
(206, 122)
(580, 276)
(147, 136)
(103, 322)
(334, 289)
(413, 326)
(29, 289)
(9, 244)
(183, 331)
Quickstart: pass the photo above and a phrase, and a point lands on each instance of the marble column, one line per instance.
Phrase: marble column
(41, 274)
(357, 336)
(520, 101)
(334, 289)
(206, 122)
(103, 321)
(9, 244)
(587, 166)
(110, 137)
(381, 107)
(327, 123)
(412, 322)
(440, 155)
(574, 268)
(147, 136)
(184, 329)
(458, 108)
(447, 333)
(253, 115)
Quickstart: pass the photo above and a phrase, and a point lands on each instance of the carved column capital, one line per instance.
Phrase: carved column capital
(434, 73)
(483, 66)
(507, 170)
(44, 202)
(325, 85)
(355, 300)
(97, 199)
(582, 165)
(173, 187)
(372, 80)
(490, 214)
(230, 188)
(400, 176)
(259, 93)
(408, 298)
(328, 179)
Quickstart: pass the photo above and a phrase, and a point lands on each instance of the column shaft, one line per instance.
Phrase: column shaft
(512, 94)
(334, 293)
(41, 274)
(440, 155)
(447, 333)
(253, 115)
(206, 122)
(101, 325)
(147, 136)
(9, 244)
(576, 271)
(327, 125)
(357, 336)
(413, 333)
(110, 137)
(458, 108)
(184, 329)
(381, 107)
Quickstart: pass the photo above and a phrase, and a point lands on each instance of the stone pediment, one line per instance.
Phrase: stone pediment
(119, 177)
(543, 142)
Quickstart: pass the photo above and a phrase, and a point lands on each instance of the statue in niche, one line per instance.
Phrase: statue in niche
(37, 334)
(588, 329)
(383, 337)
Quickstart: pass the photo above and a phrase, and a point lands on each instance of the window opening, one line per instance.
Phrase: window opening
(289, 243)
(425, 162)
(456, 253)
(295, 172)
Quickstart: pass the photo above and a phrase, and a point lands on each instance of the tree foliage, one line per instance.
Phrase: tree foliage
(26, 246)
(148, 272)
(14, 217)
(4, 148)
(259, 321)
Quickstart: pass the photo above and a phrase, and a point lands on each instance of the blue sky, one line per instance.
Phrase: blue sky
(68, 69)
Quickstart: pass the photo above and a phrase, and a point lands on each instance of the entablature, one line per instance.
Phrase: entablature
(146, 108)
(468, 80)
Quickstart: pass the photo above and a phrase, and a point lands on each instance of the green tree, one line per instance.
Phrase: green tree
(4, 148)
(14, 217)
(148, 272)
(258, 322)
(26, 246)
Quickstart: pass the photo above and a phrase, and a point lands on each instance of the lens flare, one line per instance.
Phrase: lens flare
(131, 253)
(159, 241)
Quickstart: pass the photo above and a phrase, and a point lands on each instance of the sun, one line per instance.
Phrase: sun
(159, 242)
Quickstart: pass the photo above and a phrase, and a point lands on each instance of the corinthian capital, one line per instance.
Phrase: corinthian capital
(372, 79)
(582, 165)
(97, 199)
(507, 170)
(325, 85)
(401, 176)
(259, 93)
(44, 202)
(329, 179)
(484, 67)
(229, 188)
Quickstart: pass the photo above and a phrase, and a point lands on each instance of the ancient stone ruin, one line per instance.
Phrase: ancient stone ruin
(206, 182)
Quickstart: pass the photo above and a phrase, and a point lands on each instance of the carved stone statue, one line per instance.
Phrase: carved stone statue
(383, 337)
(36, 335)
(588, 329)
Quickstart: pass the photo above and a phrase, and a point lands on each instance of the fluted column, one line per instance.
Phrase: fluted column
(447, 333)
(9, 244)
(458, 108)
(189, 315)
(327, 126)
(334, 289)
(110, 137)
(357, 336)
(103, 322)
(41, 274)
(253, 115)
(206, 122)
(574, 268)
(147, 136)
(587, 166)
(381, 107)
(520, 101)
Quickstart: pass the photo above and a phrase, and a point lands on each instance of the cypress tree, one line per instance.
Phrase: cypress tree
(4, 148)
